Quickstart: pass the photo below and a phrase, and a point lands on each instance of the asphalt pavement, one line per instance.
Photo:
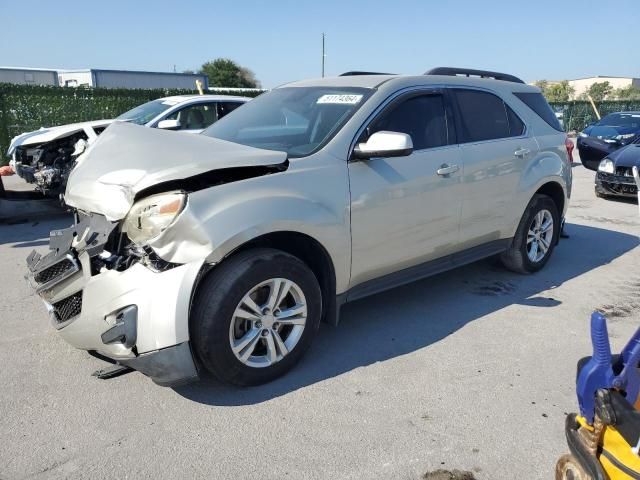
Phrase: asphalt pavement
(471, 370)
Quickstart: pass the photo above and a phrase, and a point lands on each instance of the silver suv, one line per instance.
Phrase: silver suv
(223, 252)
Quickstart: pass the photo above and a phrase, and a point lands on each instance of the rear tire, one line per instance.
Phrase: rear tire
(533, 234)
(254, 316)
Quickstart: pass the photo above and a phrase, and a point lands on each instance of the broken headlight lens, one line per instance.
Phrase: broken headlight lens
(151, 216)
(606, 166)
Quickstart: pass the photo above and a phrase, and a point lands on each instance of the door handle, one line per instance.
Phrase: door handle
(522, 152)
(445, 170)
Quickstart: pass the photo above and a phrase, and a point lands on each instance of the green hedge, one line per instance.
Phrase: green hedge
(24, 108)
(577, 115)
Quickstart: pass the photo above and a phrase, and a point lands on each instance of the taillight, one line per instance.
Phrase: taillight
(569, 145)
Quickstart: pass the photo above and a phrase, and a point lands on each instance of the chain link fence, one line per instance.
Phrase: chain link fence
(578, 114)
(24, 108)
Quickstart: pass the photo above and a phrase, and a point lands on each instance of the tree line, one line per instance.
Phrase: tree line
(563, 91)
(224, 72)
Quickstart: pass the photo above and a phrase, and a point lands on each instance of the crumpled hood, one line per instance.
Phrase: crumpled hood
(49, 134)
(126, 159)
(627, 156)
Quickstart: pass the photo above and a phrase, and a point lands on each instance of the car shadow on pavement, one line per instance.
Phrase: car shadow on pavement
(417, 315)
(32, 233)
(629, 200)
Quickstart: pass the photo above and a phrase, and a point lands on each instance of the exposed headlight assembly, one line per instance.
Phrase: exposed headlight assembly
(606, 166)
(151, 216)
(583, 135)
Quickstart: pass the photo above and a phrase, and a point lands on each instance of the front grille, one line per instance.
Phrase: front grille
(54, 271)
(68, 308)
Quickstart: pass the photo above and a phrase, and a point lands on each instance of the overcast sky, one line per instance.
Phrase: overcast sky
(281, 40)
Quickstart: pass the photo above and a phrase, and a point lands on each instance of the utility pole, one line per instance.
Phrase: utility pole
(323, 55)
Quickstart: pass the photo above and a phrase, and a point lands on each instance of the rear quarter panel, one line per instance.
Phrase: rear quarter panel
(549, 164)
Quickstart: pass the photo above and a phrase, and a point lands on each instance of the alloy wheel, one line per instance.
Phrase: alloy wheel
(268, 322)
(540, 236)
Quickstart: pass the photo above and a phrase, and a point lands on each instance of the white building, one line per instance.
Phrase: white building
(92, 77)
(28, 76)
(129, 79)
(582, 85)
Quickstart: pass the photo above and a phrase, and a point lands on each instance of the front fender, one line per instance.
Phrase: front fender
(219, 219)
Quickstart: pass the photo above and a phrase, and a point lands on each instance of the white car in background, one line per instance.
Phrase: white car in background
(45, 157)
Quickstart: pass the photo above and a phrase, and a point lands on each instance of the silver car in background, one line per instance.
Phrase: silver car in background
(223, 252)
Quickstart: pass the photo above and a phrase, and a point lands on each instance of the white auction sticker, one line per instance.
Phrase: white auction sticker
(340, 99)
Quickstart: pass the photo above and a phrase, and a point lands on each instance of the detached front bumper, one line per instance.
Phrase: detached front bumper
(616, 185)
(134, 315)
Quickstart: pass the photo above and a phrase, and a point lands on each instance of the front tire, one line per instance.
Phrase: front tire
(254, 316)
(535, 238)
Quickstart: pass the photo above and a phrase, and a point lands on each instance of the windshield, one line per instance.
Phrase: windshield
(147, 111)
(621, 120)
(295, 120)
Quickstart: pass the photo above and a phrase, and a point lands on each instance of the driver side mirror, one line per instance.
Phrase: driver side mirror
(384, 144)
(169, 124)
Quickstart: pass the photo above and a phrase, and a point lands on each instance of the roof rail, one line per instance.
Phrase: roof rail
(468, 72)
(355, 72)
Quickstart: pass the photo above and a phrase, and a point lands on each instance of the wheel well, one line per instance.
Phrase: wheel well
(313, 254)
(555, 192)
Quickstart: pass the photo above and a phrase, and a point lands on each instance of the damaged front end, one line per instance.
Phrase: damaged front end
(120, 280)
(90, 247)
(46, 157)
(48, 165)
(90, 235)
(105, 294)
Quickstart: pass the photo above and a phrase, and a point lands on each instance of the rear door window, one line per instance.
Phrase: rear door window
(422, 117)
(483, 116)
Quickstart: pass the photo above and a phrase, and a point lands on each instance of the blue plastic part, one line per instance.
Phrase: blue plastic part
(598, 372)
(629, 377)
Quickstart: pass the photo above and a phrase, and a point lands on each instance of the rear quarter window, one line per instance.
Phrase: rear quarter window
(537, 103)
